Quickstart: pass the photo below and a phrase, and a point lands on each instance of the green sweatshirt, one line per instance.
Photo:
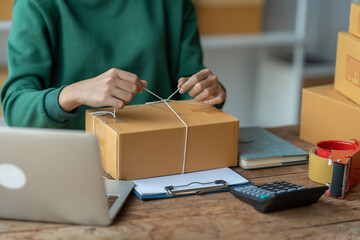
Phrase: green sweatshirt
(54, 43)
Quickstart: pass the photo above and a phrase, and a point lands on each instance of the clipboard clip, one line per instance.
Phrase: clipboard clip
(220, 185)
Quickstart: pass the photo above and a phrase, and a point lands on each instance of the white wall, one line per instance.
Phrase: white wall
(253, 85)
(236, 69)
(325, 18)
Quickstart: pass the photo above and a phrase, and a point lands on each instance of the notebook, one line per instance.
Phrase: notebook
(259, 148)
(56, 176)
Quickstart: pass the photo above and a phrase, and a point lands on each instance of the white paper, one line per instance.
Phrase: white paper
(152, 186)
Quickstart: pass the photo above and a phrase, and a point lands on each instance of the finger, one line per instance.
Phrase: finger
(216, 100)
(129, 86)
(200, 87)
(126, 85)
(207, 92)
(144, 83)
(181, 81)
(197, 77)
(122, 95)
(127, 76)
(116, 103)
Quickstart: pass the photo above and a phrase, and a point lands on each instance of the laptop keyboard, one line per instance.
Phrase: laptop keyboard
(111, 200)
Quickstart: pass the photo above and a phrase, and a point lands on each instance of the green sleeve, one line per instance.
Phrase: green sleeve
(30, 61)
(53, 108)
(191, 58)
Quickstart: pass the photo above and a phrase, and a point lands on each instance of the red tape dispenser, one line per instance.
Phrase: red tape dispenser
(345, 156)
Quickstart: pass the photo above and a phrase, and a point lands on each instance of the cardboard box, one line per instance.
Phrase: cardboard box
(354, 25)
(326, 114)
(148, 140)
(229, 16)
(317, 81)
(6, 9)
(347, 72)
(3, 77)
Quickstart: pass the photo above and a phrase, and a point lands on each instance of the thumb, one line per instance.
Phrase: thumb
(145, 83)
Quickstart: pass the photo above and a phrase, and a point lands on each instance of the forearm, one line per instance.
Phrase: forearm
(25, 108)
(113, 88)
(68, 98)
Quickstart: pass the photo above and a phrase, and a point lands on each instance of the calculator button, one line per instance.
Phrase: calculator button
(264, 196)
(239, 189)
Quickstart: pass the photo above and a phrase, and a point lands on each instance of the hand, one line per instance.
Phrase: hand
(113, 88)
(204, 86)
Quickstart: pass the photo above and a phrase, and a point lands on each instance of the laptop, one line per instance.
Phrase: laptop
(56, 176)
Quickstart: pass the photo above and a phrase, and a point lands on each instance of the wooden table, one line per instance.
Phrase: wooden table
(216, 216)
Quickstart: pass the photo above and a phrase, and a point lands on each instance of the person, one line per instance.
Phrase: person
(65, 56)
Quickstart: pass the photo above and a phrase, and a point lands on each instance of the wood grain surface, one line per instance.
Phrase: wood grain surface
(216, 216)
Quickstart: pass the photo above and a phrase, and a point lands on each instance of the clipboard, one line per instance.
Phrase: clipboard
(202, 182)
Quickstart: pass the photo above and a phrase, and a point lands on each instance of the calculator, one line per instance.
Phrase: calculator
(275, 196)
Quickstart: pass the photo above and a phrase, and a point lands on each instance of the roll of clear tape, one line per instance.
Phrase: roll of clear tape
(319, 169)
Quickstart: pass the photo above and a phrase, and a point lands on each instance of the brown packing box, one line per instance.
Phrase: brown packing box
(326, 114)
(229, 16)
(148, 140)
(6, 9)
(317, 81)
(354, 25)
(347, 72)
(3, 77)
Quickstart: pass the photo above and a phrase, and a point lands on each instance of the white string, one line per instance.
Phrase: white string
(177, 115)
(186, 135)
(172, 95)
(153, 94)
(161, 100)
(100, 113)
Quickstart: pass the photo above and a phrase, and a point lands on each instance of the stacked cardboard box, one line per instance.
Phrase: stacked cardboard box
(317, 81)
(354, 26)
(229, 16)
(326, 114)
(347, 75)
(5, 9)
(333, 112)
(3, 77)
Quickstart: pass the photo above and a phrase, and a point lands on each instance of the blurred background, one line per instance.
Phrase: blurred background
(263, 51)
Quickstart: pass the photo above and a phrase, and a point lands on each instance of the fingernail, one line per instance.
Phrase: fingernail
(182, 90)
(206, 102)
